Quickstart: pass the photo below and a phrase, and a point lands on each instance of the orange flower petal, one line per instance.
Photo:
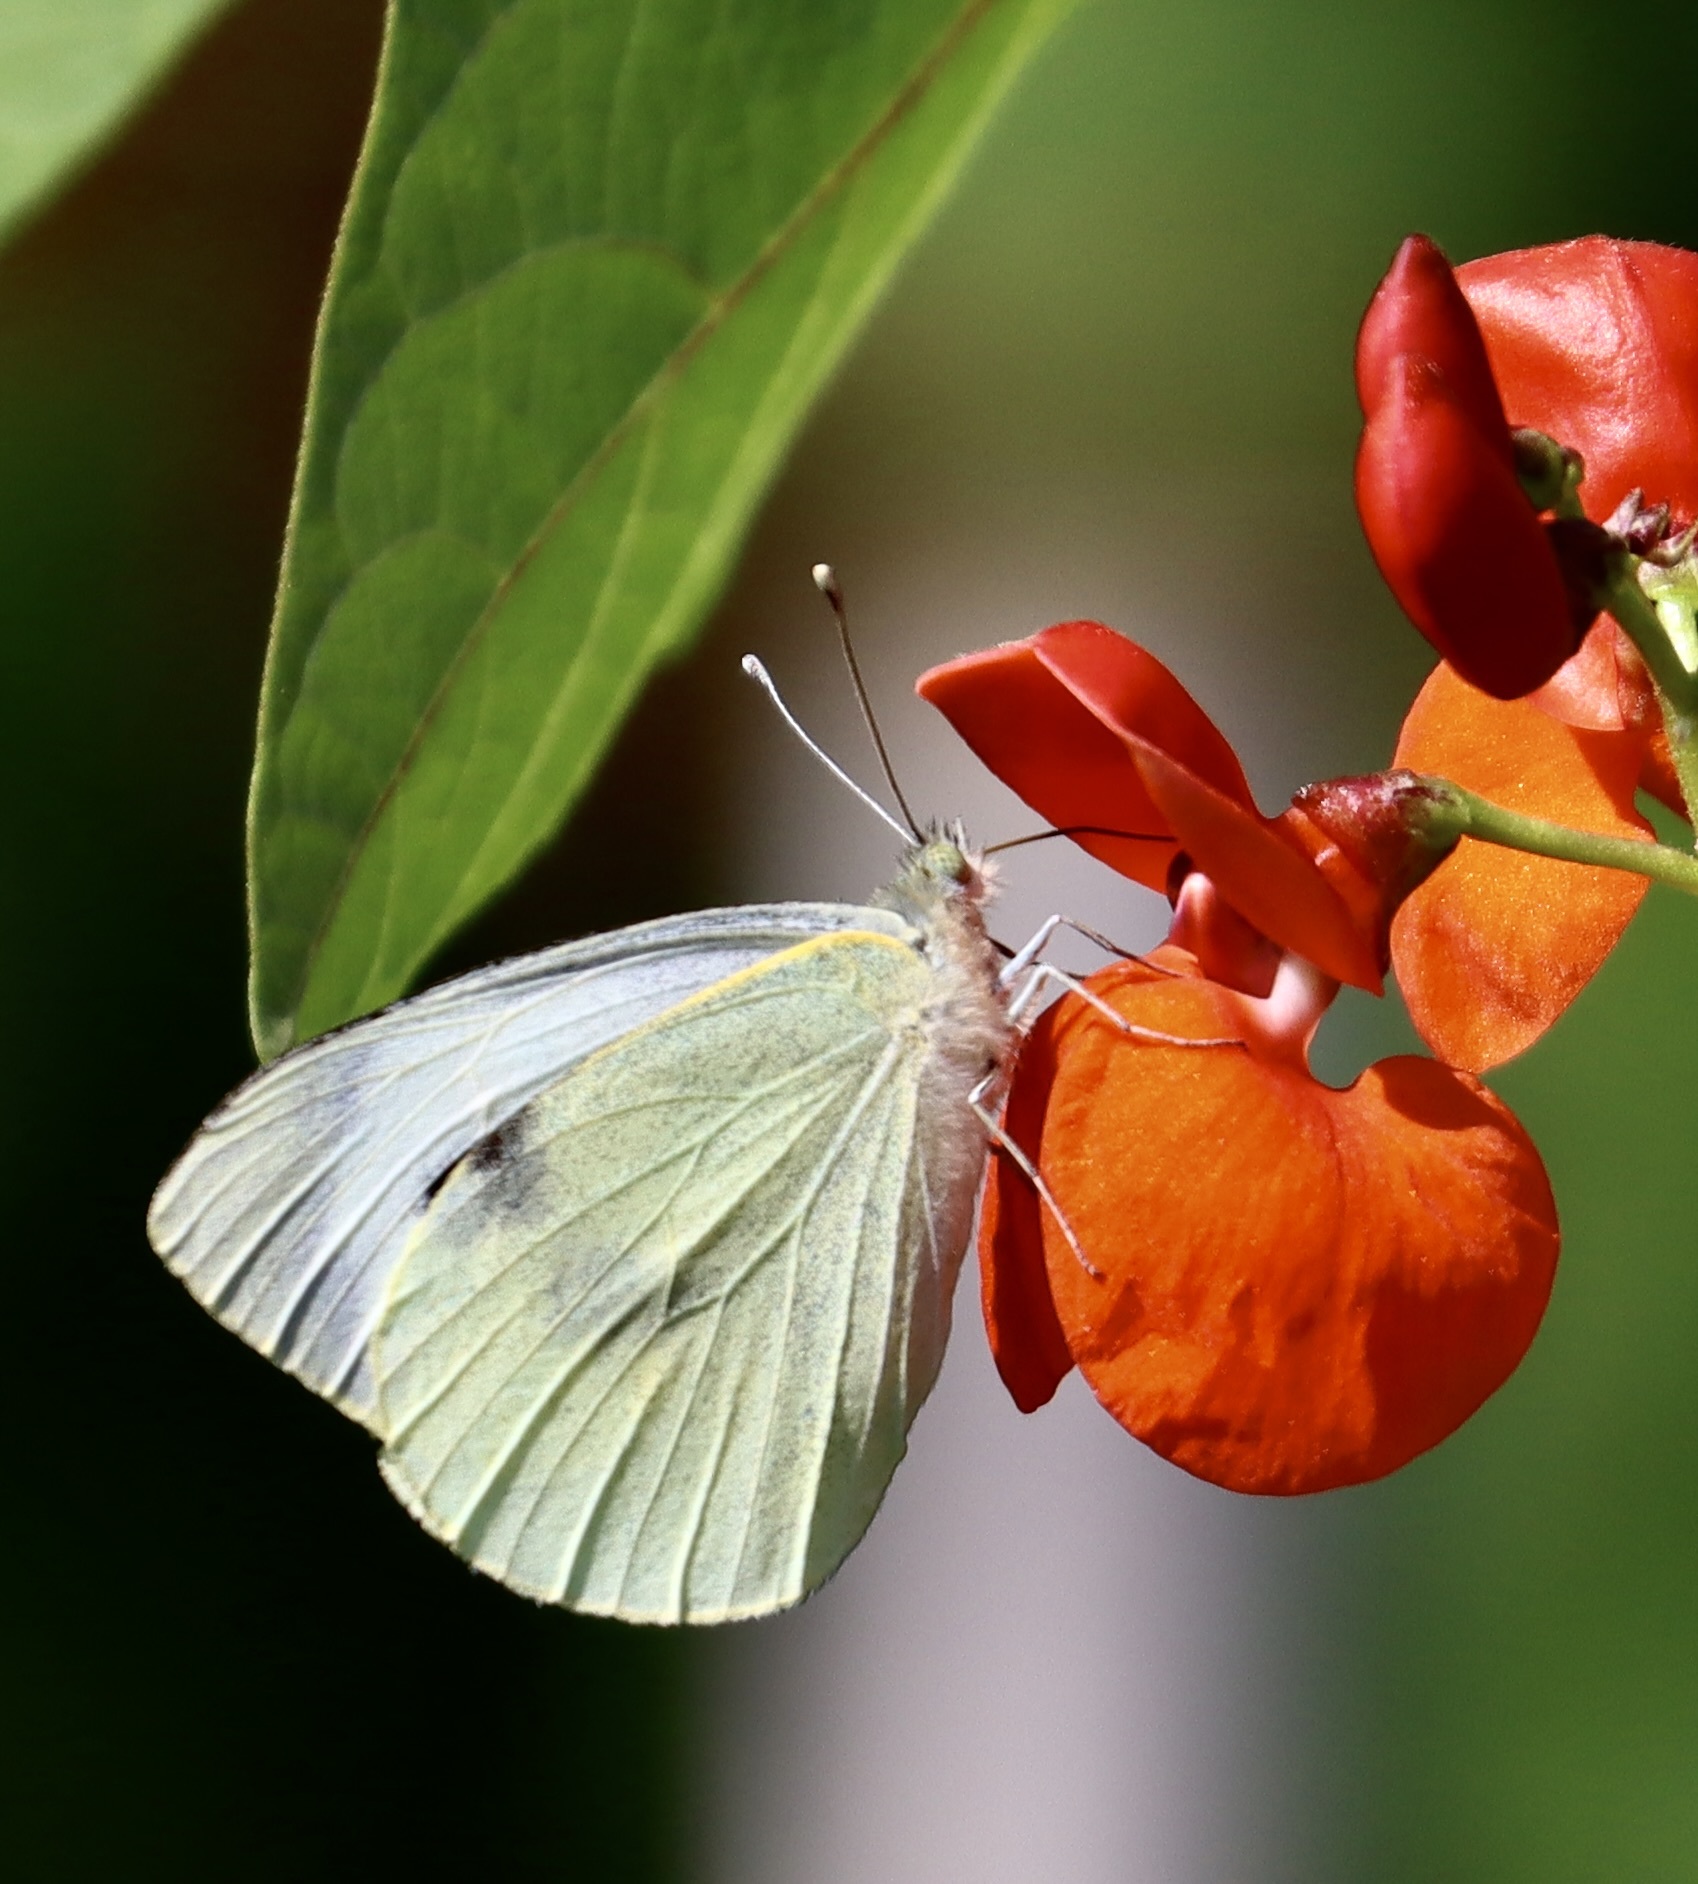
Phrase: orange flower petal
(1587, 689)
(1300, 1288)
(1658, 776)
(1496, 943)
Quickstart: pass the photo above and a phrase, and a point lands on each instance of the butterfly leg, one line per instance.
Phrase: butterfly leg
(1036, 943)
(1044, 974)
(998, 1137)
(1022, 959)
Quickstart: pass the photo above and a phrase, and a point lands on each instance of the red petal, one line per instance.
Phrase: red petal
(1128, 689)
(1300, 1288)
(1090, 729)
(1419, 311)
(1046, 714)
(1264, 874)
(1197, 787)
(1496, 943)
(1456, 539)
(1025, 1338)
(1596, 343)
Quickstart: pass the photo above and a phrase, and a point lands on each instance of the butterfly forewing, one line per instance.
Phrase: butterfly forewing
(654, 1349)
(290, 1209)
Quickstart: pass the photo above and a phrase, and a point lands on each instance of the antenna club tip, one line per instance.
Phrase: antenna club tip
(825, 580)
(753, 666)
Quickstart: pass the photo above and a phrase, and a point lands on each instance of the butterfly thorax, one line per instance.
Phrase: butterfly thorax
(942, 890)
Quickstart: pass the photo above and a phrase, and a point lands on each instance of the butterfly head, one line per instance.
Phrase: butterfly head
(941, 871)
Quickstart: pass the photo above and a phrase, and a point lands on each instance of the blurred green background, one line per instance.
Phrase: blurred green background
(1120, 365)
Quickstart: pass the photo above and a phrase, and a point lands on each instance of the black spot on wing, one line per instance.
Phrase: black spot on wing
(489, 1154)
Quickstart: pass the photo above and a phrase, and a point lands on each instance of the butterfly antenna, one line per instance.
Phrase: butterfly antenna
(1079, 830)
(756, 670)
(825, 580)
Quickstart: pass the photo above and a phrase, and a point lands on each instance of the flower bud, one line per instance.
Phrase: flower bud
(1440, 486)
(1546, 471)
(1419, 312)
(1374, 839)
(1455, 537)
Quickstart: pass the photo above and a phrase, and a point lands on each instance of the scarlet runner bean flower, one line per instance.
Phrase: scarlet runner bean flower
(1595, 344)
(1279, 1286)
(1454, 533)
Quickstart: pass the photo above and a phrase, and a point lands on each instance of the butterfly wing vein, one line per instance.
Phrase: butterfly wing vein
(659, 1359)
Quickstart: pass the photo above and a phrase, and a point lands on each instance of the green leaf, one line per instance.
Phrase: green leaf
(601, 255)
(69, 71)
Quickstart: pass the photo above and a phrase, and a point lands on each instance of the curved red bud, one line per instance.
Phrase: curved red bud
(1456, 539)
(1419, 312)
(1596, 343)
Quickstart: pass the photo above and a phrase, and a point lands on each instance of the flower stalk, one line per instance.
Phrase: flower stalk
(1450, 810)
(1677, 685)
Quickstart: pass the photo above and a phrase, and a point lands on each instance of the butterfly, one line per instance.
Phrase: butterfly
(635, 1254)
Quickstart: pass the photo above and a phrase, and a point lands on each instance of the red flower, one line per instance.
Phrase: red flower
(1099, 738)
(1596, 344)
(1451, 528)
(1279, 1286)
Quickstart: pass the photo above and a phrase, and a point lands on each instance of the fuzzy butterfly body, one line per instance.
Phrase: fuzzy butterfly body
(637, 1255)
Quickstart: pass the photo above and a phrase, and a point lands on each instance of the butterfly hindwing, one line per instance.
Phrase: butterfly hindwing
(654, 1348)
(291, 1207)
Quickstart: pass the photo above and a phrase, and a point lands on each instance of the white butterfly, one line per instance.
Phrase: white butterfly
(636, 1254)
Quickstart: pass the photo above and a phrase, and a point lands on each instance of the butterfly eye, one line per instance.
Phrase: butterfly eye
(947, 862)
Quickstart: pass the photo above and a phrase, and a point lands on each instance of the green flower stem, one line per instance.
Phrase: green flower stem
(1677, 690)
(1455, 812)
